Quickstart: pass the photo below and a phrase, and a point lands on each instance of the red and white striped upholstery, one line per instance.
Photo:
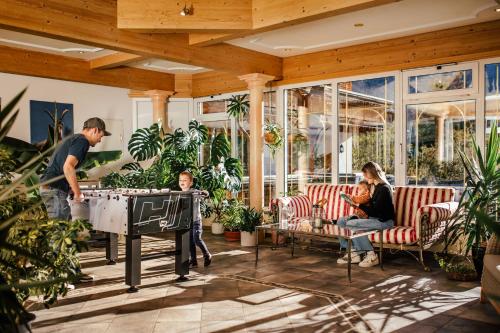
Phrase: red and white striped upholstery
(334, 207)
(411, 205)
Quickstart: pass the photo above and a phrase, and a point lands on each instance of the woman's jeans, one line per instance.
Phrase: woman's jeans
(56, 203)
(361, 244)
(195, 240)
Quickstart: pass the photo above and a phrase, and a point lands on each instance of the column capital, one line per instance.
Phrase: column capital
(256, 79)
(151, 93)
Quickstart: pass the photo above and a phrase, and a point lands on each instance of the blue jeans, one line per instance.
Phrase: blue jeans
(362, 244)
(56, 203)
(195, 240)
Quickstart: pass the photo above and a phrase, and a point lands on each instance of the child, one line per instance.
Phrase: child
(185, 183)
(362, 198)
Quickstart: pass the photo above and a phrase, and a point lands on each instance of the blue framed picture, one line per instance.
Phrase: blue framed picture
(50, 121)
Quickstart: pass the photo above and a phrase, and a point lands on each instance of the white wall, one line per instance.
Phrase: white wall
(88, 101)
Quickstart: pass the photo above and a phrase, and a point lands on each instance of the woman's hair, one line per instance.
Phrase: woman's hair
(186, 173)
(375, 171)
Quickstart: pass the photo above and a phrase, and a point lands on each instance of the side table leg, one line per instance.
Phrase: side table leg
(349, 245)
(381, 249)
(256, 247)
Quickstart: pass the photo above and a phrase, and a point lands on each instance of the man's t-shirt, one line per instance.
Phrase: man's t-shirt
(76, 145)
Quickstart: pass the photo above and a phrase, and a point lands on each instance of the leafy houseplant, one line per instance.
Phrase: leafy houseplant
(457, 267)
(232, 220)
(273, 137)
(250, 219)
(172, 153)
(479, 206)
(37, 255)
(238, 107)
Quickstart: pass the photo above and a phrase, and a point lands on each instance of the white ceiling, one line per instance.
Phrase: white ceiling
(392, 20)
(49, 45)
(168, 67)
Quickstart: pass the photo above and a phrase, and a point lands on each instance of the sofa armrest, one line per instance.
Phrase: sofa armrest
(300, 205)
(431, 220)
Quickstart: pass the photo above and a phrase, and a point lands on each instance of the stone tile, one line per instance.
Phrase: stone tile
(178, 327)
(222, 314)
(228, 326)
(180, 315)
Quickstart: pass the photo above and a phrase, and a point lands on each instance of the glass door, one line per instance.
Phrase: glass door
(440, 105)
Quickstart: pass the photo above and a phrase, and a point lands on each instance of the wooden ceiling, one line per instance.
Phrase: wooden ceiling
(197, 40)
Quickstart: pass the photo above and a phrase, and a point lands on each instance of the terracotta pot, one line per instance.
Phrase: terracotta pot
(269, 137)
(232, 236)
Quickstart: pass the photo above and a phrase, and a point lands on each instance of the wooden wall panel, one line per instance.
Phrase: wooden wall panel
(452, 45)
(214, 83)
(24, 62)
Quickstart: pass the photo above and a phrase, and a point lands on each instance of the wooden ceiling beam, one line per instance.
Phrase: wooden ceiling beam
(114, 60)
(93, 22)
(164, 16)
(39, 64)
(274, 14)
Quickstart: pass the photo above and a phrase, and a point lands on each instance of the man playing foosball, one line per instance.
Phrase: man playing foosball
(62, 170)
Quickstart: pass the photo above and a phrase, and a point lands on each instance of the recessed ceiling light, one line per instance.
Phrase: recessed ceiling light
(497, 10)
(359, 25)
(81, 52)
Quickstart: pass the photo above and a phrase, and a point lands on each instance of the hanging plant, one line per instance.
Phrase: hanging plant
(273, 137)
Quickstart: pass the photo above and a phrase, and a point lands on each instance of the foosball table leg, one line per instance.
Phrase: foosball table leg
(133, 262)
(182, 254)
(111, 248)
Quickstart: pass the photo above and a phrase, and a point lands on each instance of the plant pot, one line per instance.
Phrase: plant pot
(232, 236)
(458, 276)
(248, 238)
(217, 228)
(478, 257)
(269, 138)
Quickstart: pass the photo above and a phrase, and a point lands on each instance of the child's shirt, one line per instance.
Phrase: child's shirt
(361, 199)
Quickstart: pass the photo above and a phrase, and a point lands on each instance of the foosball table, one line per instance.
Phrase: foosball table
(136, 212)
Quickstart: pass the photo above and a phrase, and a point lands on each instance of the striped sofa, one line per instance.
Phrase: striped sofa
(421, 213)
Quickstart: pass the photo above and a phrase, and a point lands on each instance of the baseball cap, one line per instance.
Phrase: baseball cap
(96, 123)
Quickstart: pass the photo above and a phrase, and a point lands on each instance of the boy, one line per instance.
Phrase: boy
(185, 183)
(362, 198)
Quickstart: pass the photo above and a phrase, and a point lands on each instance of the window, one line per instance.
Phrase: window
(309, 139)
(270, 116)
(492, 96)
(210, 107)
(435, 134)
(366, 126)
(440, 81)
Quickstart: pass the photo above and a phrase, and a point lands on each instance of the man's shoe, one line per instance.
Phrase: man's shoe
(208, 260)
(370, 260)
(82, 278)
(193, 264)
(355, 259)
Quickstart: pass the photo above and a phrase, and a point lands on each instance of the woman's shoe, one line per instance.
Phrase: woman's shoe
(193, 264)
(370, 260)
(208, 260)
(355, 259)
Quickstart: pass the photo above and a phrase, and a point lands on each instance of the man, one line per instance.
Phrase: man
(62, 170)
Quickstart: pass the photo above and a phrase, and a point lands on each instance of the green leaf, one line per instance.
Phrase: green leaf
(145, 143)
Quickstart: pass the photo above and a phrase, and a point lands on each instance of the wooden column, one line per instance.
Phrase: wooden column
(159, 99)
(256, 83)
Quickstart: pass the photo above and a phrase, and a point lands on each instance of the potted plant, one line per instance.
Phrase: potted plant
(475, 216)
(232, 219)
(273, 137)
(250, 219)
(457, 267)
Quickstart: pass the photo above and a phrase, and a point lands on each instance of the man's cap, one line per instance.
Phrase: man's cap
(96, 123)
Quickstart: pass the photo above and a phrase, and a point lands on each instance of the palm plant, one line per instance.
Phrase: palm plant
(238, 107)
(37, 255)
(478, 212)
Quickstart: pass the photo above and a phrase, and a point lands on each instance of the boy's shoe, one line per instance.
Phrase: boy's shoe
(193, 264)
(370, 260)
(208, 260)
(355, 259)
(82, 278)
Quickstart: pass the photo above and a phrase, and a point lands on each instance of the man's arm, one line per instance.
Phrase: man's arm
(69, 169)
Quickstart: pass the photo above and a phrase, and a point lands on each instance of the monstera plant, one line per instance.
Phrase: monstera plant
(172, 153)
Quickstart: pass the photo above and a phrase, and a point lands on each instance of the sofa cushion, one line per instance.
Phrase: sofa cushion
(408, 199)
(492, 266)
(396, 235)
(334, 207)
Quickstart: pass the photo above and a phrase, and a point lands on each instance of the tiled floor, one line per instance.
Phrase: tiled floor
(307, 293)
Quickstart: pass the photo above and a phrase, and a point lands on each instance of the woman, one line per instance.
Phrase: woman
(380, 211)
